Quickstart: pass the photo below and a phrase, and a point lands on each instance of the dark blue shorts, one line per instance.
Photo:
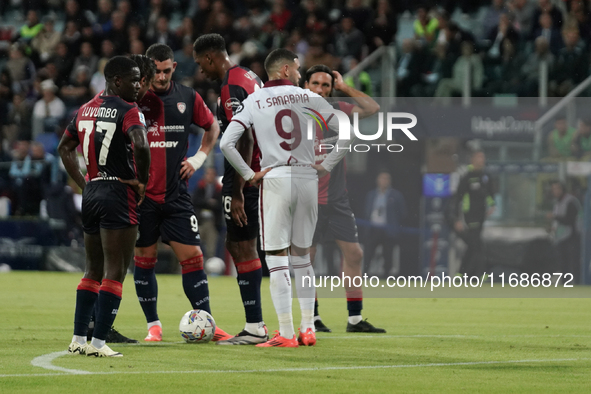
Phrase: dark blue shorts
(173, 221)
(110, 205)
(336, 221)
(251, 208)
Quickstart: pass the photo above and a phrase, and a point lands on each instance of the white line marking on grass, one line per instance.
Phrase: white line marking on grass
(364, 335)
(45, 362)
(342, 368)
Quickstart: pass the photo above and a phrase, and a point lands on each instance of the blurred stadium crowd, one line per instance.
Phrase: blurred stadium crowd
(52, 53)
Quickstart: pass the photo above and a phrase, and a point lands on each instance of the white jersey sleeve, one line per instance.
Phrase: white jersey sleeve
(241, 121)
(342, 145)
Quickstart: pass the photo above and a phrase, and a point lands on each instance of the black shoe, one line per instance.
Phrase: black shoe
(113, 336)
(364, 326)
(320, 327)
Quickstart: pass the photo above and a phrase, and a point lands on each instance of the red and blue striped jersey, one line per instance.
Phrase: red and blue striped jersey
(101, 127)
(170, 116)
(238, 83)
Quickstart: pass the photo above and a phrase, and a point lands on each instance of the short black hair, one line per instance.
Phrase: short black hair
(146, 65)
(319, 68)
(209, 42)
(278, 55)
(160, 52)
(118, 66)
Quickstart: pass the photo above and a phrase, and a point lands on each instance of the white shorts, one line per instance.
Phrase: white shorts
(288, 211)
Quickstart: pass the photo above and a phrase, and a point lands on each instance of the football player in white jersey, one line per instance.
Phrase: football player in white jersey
(289, 185)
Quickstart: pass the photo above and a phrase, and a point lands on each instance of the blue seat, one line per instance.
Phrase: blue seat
(49, 141)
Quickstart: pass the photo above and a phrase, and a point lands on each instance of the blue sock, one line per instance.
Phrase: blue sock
(316, 307)
(354, 307)
(108, 301)
(146, 287)
(195, 283)
(250, 275)
(86, 295)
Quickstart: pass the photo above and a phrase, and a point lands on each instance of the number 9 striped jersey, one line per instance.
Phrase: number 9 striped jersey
(279, 114)
(100, 127)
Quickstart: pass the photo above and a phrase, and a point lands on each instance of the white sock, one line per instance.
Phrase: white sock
(355, 319)
(255, 328)
(97, 343)
(316, 318)
(80, 339)
(280, 285)
(154, 323)
(302, 269)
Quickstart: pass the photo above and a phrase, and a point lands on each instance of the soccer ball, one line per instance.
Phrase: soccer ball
(215, 266)
(197, 326)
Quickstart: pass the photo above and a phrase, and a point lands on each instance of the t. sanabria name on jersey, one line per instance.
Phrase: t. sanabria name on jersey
(100, 112)
(286, 99)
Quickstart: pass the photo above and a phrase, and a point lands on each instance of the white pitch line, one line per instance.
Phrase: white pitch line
(45, 362)
(357, 367)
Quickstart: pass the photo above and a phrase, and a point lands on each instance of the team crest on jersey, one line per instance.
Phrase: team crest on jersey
(153, 128)
(232, 103)
(182, 107)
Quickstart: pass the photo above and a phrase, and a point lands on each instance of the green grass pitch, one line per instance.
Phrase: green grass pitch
(432, 345)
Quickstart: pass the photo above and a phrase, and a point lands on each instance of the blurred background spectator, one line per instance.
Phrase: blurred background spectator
(52, 53)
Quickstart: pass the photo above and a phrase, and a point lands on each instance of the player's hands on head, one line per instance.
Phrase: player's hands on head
(237, 210)
(258, 177)
(187, 170)
(137, 186)
(339, 83)
(321, 171)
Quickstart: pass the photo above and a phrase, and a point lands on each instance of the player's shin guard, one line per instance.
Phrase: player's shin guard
(86, 295)
(250, 275)
(195, 283)
(354, 301)
(109, 299)
(146, 286)
(280, 285)
(304, 278)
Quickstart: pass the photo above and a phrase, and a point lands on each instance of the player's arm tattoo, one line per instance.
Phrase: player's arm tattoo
(141, 152)
(67, 151)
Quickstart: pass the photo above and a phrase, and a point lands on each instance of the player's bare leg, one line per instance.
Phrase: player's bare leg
(87, 291)
(352, 262)
(146, 287)
(319, 325)
(280, 286)
(117, 251)
(195, 280)
(304, 278)
(248, 266)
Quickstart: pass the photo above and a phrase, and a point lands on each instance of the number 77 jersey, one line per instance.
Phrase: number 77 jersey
(101, 126)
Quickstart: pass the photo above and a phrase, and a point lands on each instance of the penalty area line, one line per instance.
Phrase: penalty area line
(69, 372)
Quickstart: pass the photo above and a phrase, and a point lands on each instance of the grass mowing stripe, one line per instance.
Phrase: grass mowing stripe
(356, 367)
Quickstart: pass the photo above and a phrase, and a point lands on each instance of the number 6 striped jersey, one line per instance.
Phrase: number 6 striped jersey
(101, 126)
